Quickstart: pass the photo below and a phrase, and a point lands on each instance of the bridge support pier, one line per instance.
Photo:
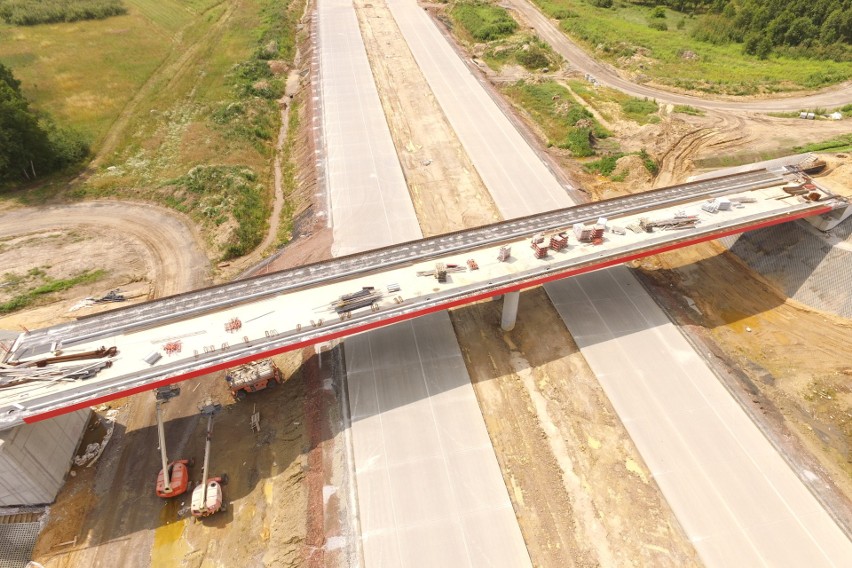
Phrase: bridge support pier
(510, 310)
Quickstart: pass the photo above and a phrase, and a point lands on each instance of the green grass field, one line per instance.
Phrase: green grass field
(642, 111)
(623, 37)
(83, 73)
(565, 123)
(168, 87)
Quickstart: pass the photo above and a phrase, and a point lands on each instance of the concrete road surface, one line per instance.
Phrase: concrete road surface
(606, 75)
(737, 499)
(369, 200)
(430, 490)
(429, 485)
(478, 121)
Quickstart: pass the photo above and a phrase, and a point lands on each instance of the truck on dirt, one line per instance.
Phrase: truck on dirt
(252, 377)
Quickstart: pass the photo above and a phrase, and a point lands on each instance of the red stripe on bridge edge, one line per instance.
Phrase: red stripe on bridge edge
(412, 315)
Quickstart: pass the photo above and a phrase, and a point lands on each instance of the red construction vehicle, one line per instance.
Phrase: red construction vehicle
(207, 497)
(252, 377)
(173, 479)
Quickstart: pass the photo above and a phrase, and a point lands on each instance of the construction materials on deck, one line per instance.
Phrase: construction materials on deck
(670, 223)
(504, 254)
(98, 353)
(360, 299)
(538, 245)
(558, 241)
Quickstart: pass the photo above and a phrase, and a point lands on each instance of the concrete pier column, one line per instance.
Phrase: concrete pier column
(510, 310)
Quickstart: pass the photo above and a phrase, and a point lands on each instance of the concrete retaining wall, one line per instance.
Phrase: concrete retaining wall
(34, 458)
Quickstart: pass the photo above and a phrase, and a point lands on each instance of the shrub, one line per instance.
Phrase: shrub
(658, 12)
(638, 109)
(484, 22)
(579, 142)
(659, 26)
(564, 14)
(532, 58)
(649, 162)
(716, 29)
(33, 12)
(214, 191)
(687, 109)
(605, 166)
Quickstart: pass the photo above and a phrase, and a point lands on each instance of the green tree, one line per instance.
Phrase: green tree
(31, 145)
(800, 31)
(837, 27)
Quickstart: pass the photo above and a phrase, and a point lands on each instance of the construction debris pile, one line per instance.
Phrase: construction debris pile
(53, 368)
(94, 450)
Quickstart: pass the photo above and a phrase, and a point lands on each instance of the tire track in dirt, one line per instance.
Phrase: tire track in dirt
(177, 258)
(677, 162)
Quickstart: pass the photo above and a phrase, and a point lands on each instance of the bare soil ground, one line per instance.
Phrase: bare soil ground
(113, 513)
(446, 190)
(147, 251)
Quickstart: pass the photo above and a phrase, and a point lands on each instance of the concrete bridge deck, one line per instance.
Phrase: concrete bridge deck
(292, 309)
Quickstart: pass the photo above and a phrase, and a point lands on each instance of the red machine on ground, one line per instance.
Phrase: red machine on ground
(252, 377)
(207, 497)
(173, 479)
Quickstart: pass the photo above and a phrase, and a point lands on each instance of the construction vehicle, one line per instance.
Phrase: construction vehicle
(173, 479)
(252, 378)
(207, 497)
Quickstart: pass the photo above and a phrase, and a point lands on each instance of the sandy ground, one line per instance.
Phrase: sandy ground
(147, 251)
(581, 492)
(447, 193)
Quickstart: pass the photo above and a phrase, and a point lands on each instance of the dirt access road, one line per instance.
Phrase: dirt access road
(147, 251)
(832, 97)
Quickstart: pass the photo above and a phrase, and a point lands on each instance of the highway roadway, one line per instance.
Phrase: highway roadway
(549, 31)
(478, 121)
(738, 501)
(368, 197)
(430, 491)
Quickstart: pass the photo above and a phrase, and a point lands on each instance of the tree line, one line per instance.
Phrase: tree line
(31, 143)
(812, 28)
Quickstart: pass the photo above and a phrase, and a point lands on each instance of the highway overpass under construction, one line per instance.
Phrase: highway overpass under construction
(56, 370)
